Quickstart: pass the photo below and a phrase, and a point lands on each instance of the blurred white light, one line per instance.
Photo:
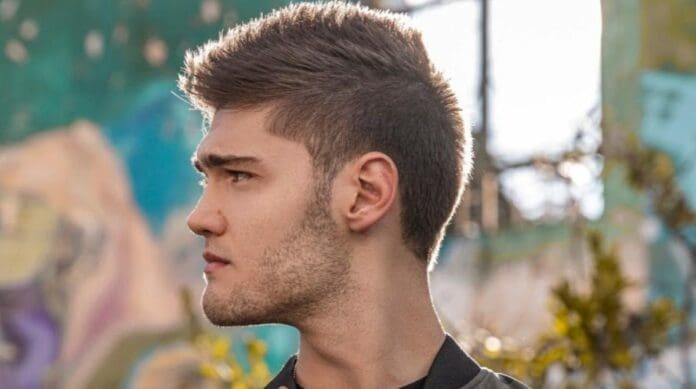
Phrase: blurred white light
(8, 9)
(576, 172)
(94, 44)
(417, 3)
(155, 52)
(210, 11)
(29, 30)
(15, 51)
(492, 344)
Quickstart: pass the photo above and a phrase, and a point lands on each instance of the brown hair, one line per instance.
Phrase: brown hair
(345, 80)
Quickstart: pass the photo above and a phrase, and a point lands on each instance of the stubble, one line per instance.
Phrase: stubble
(307, 272)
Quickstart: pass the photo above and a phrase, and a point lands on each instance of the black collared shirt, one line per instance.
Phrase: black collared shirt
(452, 368)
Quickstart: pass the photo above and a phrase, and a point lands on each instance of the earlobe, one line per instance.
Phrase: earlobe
(374, 180)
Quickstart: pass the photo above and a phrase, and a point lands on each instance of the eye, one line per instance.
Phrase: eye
(238, 176)
(203, 182)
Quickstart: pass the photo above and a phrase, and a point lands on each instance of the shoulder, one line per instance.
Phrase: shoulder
(453, 368)
(488, 379)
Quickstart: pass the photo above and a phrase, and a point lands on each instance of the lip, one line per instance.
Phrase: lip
(210, 257)
(214, 262)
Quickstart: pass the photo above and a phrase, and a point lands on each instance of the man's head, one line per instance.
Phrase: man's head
(343, 81)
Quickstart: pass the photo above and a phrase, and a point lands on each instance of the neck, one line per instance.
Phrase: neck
(384, 333)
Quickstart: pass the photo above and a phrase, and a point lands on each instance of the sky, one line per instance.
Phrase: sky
(544, 76)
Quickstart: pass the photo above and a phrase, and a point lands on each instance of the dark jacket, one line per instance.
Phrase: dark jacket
(451, 369)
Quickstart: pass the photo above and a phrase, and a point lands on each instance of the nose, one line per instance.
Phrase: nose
(206, 218)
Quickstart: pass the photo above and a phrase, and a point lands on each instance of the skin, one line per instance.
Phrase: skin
(326, 258)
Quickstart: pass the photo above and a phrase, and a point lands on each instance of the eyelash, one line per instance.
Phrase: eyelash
(232, 173)
(236, 173)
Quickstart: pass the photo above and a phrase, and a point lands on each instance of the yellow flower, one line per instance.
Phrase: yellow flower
(208, 370)
(239, 385)
(256, 348)
(220, 347)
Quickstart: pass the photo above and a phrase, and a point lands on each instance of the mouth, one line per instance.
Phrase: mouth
(213, 262)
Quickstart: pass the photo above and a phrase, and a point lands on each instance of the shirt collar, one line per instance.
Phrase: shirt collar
(451, 368)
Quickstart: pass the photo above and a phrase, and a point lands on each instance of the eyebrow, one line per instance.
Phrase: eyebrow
(208, 161)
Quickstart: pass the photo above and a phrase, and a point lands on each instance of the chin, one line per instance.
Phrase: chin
(226, 313)
(225, 319)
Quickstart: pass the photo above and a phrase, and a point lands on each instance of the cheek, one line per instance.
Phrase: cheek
(263, 218)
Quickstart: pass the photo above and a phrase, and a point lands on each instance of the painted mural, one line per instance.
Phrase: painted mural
(99, 276)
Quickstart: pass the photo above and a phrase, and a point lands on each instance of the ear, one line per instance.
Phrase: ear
(373, 184)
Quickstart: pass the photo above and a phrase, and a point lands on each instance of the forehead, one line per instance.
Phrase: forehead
(245, 132)
(230, 127)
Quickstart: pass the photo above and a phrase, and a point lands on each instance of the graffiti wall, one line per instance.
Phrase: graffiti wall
(99, 276)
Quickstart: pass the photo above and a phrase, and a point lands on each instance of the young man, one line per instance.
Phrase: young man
(335, 157)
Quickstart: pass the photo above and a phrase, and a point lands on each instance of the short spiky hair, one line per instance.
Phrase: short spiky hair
(345, 80)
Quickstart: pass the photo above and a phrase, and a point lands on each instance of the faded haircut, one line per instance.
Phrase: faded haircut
(344, 80)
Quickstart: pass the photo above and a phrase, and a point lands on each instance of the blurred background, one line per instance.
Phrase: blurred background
(571, 261)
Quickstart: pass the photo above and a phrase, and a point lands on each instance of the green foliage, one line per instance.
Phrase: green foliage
(219, 367)
(594, 337)
(653, 172)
